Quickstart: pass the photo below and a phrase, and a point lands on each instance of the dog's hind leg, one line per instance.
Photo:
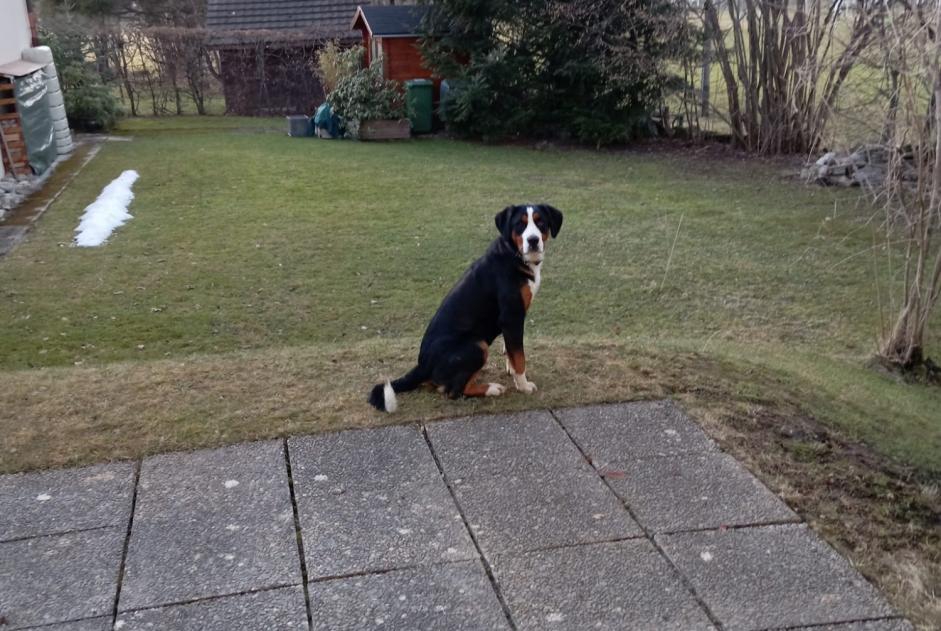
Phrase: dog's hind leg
(474, 388)
(459, 372)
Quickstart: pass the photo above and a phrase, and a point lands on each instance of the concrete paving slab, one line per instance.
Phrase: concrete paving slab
(90, 624)
(370, 530)
(623, 585)
(211, 523)
(896, 624)
(375, 457)
(519, 443)
(48, 502)
(456, 597)
(771, 577)
(614, 435)
(60, 577)
(696, 491)
(271, 610)
(518, 513)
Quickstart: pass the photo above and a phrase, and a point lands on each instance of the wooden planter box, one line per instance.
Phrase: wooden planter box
(385, 130)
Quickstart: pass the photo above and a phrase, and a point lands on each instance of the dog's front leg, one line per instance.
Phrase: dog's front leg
(506, 358)
(515, 356)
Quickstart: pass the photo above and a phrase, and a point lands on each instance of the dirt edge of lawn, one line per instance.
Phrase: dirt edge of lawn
(881, 515)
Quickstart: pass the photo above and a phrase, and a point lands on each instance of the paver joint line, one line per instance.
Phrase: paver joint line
(300, 538)
(824, 625)
(127, 541)
(486, 564)
(388, 570)
(58, 533)
(61, 622)
(203, 599)
(763, 524)
(577, 544)
(647, 534)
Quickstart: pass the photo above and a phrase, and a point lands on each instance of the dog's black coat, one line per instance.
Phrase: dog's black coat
(485, 303)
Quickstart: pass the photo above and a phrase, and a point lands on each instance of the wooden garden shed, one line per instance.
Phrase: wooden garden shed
(391, 34)
(266, 47)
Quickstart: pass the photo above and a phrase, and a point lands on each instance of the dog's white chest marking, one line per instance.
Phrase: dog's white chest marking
(537, 279)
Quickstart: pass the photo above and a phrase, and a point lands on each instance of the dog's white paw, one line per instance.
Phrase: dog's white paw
(525, 386)
(495, 389)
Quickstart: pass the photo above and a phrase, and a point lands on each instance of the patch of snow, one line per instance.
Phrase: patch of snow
(43, 497)
(229, 484)
(320, 477)
(555, 617)
(107, 212)
(705, 556)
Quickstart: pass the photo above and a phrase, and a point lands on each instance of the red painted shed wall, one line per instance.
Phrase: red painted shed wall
(402, 61)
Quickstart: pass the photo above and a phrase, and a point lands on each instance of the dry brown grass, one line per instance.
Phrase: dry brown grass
(68, 416)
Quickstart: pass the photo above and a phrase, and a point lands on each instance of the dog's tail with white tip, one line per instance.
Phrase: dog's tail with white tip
(382, 396)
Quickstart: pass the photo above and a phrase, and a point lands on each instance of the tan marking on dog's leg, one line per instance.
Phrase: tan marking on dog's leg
(473, 388)
(486, 349)
(517, 361)
(527, 293)
(517, 368)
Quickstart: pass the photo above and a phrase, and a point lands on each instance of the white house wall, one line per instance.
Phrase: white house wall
(14, 30)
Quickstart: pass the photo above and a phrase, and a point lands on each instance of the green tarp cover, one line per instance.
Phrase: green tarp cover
(325, 119)
(38, 132)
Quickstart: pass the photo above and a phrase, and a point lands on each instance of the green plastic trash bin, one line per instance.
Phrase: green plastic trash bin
(418, 98)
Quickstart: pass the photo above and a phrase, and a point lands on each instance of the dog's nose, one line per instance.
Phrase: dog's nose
(533, 243)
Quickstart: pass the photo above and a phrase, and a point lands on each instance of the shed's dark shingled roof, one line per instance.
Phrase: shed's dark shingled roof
(385, 21)
(330, 18)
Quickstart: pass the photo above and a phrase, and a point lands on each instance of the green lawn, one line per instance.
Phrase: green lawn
(267, 282)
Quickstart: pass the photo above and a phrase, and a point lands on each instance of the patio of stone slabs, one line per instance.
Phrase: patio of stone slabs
(608, 517)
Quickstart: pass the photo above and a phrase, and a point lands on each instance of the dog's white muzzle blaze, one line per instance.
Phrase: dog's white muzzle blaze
(532, 238)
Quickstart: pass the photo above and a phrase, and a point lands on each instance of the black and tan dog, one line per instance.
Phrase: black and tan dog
(491, 299)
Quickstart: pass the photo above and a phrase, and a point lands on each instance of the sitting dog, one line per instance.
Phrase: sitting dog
(491, 299)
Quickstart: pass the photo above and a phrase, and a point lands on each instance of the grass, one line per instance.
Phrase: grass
(266, 282)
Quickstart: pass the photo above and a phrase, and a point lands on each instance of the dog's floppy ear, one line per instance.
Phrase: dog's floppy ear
(503, 220)
(553, 216)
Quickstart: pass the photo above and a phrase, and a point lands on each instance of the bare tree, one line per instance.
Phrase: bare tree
(784, 63)
(911, 44)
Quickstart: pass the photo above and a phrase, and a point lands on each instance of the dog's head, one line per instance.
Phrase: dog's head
(528, 228)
